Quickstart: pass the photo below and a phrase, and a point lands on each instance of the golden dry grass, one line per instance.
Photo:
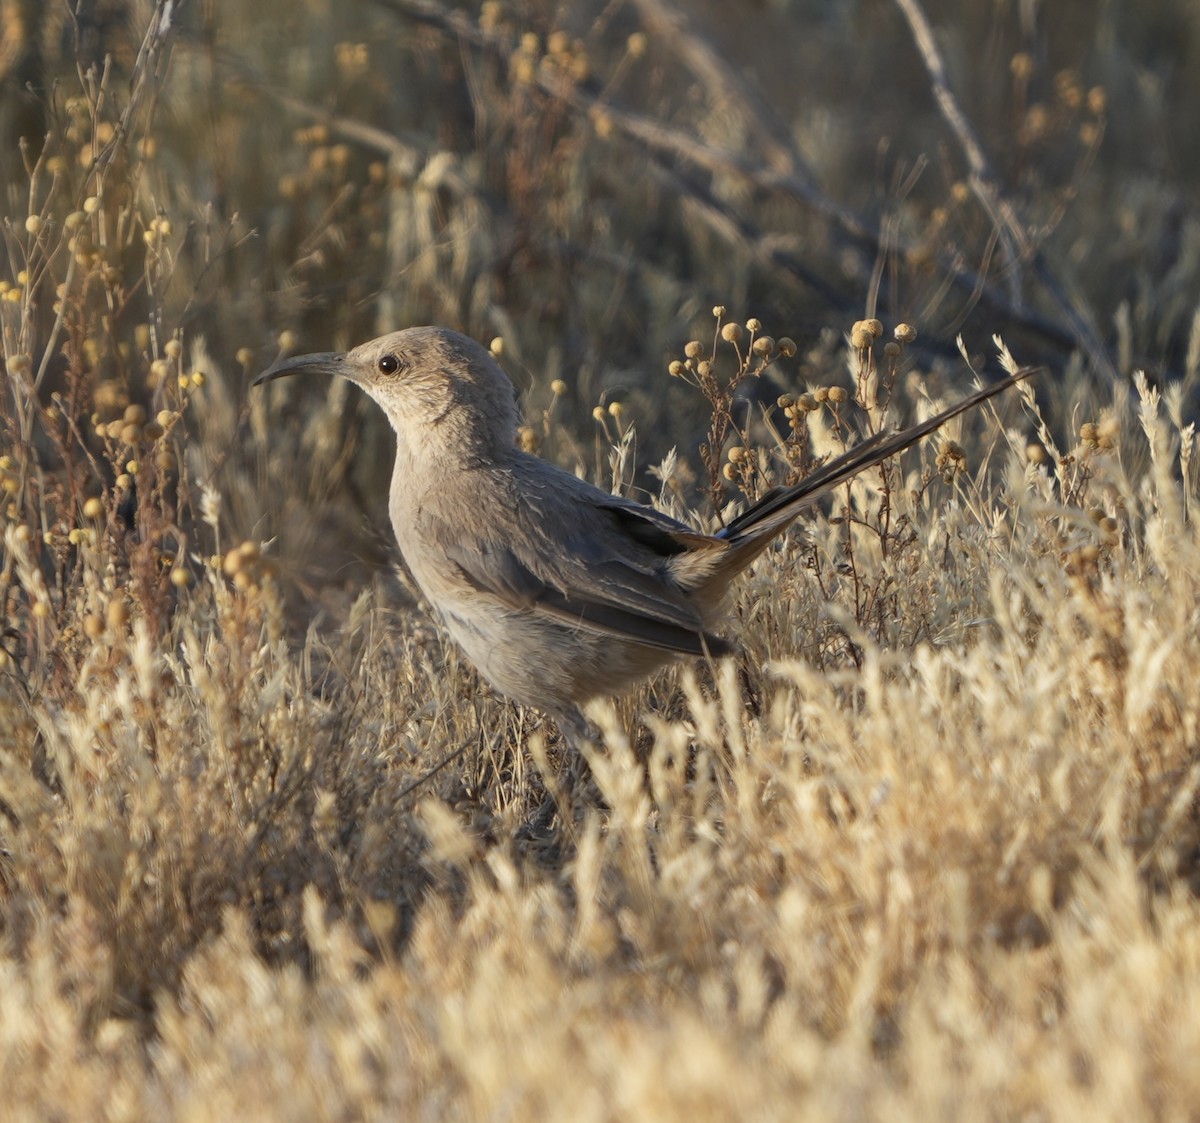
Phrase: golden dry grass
(928, 849)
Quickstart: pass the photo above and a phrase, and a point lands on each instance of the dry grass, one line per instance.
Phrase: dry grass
(929, 849)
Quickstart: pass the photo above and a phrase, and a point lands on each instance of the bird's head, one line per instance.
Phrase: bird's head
(434, 385)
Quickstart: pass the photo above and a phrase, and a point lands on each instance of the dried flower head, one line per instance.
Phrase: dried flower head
(860, 337)
(117, 615)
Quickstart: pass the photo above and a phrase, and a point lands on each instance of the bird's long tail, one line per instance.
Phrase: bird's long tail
(752, 530)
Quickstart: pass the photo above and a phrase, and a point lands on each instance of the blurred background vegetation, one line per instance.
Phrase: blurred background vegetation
(588, 179)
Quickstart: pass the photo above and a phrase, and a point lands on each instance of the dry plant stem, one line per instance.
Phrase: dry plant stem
(986, 185)
(671, 26)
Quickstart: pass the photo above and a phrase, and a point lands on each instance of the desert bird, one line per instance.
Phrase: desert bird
(556, 590)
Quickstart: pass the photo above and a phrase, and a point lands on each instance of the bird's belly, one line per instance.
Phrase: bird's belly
(545, 663)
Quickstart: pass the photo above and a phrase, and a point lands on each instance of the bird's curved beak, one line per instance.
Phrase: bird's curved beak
(325, 362)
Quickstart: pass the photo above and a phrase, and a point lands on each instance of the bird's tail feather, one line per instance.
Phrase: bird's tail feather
(752, 530)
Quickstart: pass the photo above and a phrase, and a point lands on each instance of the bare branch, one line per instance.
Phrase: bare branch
(988, 190)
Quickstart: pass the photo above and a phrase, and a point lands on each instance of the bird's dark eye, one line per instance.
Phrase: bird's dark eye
(389, 364)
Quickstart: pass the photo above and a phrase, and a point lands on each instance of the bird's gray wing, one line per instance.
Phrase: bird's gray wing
(592, 570)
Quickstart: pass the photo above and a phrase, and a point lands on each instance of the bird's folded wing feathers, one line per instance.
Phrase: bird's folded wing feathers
(610, 595)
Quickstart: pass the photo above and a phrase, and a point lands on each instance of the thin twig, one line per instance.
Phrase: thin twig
(986, 185)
